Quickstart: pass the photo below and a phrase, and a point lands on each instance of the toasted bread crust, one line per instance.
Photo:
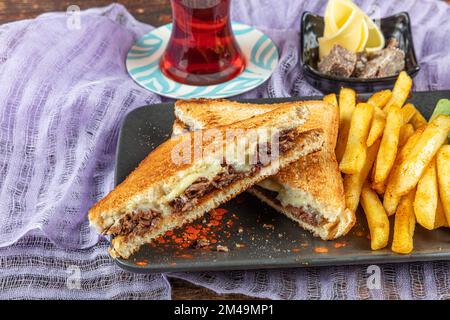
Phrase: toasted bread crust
(158, 166)
(317, 174)
(307, 142)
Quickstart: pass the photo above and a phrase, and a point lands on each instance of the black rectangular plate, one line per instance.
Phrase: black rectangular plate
(397, 26)
(269, 239)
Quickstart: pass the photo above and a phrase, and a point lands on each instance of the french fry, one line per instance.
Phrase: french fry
(418, 120)
(379, 187)
(413, 166)
(331, 99)
(404, 225)
(426, 200)
(390, 199)
(406, 131)
(380, 98)
(377, 218)
(347, 101)
(353, 183)
(389, 144)
(443, 173)
(408, 112)
(356, 149)
(377, 126)
(441, 220)
(400, 92)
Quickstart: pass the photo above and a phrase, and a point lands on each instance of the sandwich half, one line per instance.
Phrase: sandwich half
(196, 172)
(310, 191)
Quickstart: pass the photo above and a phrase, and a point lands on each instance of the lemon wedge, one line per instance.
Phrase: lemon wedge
(352, 35)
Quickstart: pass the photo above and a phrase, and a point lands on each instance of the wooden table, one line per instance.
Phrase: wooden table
(154, 12)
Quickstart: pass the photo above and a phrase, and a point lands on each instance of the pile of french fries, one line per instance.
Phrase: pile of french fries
(394, 162)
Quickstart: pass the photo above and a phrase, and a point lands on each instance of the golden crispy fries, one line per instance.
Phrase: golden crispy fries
(408, 112)
(377, 126)
(356, 149)
(331, 99)
(412, 168)
(400, 92)
(443, 173)
(404, 225)
(441, 220)
(380, 98)
(390, 199)
(353, 183)
(426, 200)
(418, 120)
(389, 144)
(377, 218)
(406, 131)
(347, 101)
(380, 187)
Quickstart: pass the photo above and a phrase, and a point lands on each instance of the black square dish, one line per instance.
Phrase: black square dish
(397, 26)
(257, 236)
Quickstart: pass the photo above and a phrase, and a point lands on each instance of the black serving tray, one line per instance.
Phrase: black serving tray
(397, 26)
(269, 239)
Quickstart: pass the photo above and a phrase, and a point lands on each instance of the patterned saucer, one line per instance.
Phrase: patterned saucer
(143, 65)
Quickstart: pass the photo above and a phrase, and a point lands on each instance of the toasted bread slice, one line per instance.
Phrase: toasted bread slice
(309, 191)
(162, 192)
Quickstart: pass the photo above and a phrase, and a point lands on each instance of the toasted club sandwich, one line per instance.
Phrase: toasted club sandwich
(196, 172)
(309, 191)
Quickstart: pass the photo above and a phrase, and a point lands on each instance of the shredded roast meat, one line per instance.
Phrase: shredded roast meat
(306, 213)
(287, 139)
(202, 186)
(189, 198)
(140, 221)
(136, 222)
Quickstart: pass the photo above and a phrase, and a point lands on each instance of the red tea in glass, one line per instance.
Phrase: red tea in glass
(202, 49)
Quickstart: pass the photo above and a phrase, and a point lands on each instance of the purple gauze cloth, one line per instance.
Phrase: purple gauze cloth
(64, 95)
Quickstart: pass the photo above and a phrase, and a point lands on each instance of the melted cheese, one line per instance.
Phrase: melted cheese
(270, 184)
(207, 171)
(293, 197)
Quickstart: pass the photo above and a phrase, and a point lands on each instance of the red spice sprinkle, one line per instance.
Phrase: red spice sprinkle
(210, 229)
(304, 245)
(214, 223)
(338, 245)
(192, 230)
(321, 250)
(141, 263)
(220, 211)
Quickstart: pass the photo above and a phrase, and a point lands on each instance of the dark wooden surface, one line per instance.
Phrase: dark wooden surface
(154, 12)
